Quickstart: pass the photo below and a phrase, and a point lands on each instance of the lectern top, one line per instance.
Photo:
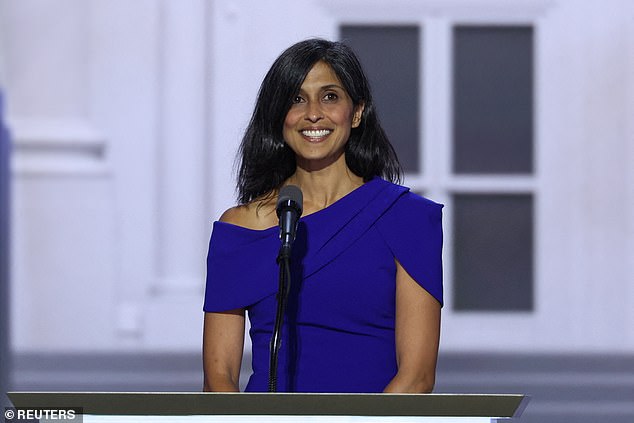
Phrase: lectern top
(210, 403)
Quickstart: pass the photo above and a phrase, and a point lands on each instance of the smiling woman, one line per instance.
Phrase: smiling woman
(267, 161)
(319, 122)
(364, 308)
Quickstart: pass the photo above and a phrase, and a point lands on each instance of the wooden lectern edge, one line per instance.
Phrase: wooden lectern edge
(316, 404)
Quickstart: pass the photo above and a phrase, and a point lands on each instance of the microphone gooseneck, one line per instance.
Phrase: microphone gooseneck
(289, 210)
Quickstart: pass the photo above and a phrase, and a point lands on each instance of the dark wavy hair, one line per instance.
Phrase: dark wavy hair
(266, 161)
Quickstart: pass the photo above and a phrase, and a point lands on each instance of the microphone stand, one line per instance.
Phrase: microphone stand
(289, 209)
(284, 263)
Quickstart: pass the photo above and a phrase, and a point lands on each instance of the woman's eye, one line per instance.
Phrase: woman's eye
(297, 99)
(331, 97)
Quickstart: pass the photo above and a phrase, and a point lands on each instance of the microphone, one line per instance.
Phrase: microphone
(289, 209)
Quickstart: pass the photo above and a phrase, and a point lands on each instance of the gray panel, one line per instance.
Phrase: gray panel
(493, 252)
(493, 100)
(390, 58)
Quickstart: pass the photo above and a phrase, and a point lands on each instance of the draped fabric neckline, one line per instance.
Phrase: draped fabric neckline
(335, 205)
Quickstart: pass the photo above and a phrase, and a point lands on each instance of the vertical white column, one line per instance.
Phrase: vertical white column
(233, 87)
(5, 357)
(182, 228)
(437, 141)
(629, 211)
(4, 239)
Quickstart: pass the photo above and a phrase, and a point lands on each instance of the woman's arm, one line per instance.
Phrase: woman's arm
(417, 336)
(223, 341)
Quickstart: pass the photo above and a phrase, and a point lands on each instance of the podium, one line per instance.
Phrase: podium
(163, 407)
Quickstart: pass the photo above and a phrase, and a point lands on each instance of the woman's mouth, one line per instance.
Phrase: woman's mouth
(315, 135)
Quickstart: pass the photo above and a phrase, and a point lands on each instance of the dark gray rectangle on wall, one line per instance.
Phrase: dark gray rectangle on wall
(493, 99)
(390, 57)
(493, 252)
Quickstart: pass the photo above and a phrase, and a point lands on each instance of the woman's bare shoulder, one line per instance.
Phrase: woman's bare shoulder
(235, 215)
(256, 215)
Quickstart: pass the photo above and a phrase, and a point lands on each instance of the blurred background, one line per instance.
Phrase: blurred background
(121, 123)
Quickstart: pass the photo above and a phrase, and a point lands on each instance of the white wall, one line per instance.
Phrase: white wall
(126, 117)
(110, 212)
(585, 156)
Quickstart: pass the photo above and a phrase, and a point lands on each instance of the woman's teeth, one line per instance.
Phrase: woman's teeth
(316, 133)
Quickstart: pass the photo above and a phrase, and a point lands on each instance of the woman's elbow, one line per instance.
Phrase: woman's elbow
(421, 384)
(219, 382)
(427, 385)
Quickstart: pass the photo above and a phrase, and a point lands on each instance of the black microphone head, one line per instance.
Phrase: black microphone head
(290, 196)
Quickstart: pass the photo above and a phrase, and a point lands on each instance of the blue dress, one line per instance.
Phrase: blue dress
(338, 333)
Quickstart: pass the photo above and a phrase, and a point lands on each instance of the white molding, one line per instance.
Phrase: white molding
(491, 184)
(54, 147)
(413, 11)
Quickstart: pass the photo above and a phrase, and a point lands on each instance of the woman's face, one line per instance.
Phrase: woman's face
(318, 124)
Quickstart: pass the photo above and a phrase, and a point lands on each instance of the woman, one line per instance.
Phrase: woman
(363, 313)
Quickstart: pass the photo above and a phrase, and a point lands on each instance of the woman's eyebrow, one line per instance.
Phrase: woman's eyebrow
(330, 86)
(323, 88)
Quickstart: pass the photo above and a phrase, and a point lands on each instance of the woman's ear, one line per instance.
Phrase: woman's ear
(358, 114)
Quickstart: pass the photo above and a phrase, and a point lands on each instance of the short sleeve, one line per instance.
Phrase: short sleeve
(412, 229)
(241, 267)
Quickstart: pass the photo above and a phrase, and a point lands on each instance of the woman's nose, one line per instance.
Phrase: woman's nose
(313, 112)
